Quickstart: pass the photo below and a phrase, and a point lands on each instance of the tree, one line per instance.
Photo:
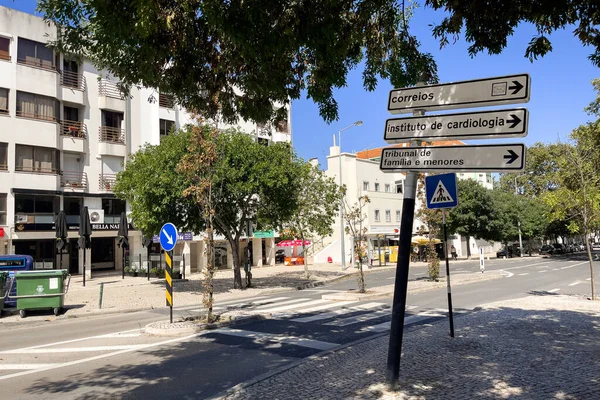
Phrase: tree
(202, 156)
(318, 205)
(250, 182)
(241, 58)
(154, 189)
(474, 215)
(354, 216)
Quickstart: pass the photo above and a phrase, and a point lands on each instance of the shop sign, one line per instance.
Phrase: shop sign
(264, 234)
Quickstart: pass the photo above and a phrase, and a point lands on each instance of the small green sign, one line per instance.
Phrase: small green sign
(263, 234)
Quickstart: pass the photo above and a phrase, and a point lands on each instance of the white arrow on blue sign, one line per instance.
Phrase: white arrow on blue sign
(168, 236)
(441, 191)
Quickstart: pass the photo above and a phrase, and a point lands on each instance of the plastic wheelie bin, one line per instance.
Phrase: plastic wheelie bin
(3, 288)
(41, 290)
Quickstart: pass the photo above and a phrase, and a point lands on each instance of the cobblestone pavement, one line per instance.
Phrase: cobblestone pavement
(538, 347)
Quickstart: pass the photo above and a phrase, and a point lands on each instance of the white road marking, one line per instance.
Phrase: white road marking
(251, 303)
(77, 340)
(289, 307)
(297, 341)
(539, 272)
(524, 266)
(554, 290)
(411, 307)
(588, 279)
(280, 303)
(94, 358)
(509, 273)
(335, 313)
(120, 335)
(73, 349)
(555, 269)
(359, 318)
(523, 274)
(325, 290)
(574, 265)
(6, 367)
(332, 304)
(385, 326)
(575, 283)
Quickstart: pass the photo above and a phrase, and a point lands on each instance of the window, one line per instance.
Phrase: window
(2, 208)
(263, 141)
(3, 101)
(113, 206)
(488, 178)
(35, 54)
(111, 130)
(397, 215)
(377, 216)
(3, 157)
(165, 100)
(365, 186)
(399, 186)
(4, 48)
(165, 126)
(71, 114)
(387, 187)
(112, 119)
(37, 159)
(36, 106)
(29, 204)
(388, 216)
(376, 186)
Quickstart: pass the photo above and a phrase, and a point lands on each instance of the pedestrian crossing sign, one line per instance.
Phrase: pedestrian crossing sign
(441, 191)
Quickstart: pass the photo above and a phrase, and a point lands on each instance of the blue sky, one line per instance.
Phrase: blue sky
(560, 89)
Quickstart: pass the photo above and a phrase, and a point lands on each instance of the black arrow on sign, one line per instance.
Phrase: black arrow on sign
(511, 156)
(514, 121)
(517, 87)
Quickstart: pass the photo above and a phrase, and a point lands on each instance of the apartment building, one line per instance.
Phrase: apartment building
(65, 132)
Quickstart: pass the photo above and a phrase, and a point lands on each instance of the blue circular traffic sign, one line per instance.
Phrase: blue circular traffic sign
(168, 236)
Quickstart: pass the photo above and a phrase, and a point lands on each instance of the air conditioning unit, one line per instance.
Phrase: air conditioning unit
(97, 216)
(21, 219)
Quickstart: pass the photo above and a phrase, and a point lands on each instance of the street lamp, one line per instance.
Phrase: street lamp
(357, 123)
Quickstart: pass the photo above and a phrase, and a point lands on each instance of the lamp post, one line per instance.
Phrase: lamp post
(357, 123)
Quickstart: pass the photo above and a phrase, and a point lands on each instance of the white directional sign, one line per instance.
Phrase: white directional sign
(509, 89)
(483, 158)
(475, 125)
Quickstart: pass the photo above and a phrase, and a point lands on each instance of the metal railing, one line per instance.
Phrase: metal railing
(4, 55)
(73, 80)
(37, 63)
(39, 117)
(165, 100)
(3, 167)
(74, 179)
(109, 89)
(112, 135)
(75, 129)
(37, 169)
(107, 181)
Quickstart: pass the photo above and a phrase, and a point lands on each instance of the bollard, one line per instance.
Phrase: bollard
(101, 293)
(184, 266)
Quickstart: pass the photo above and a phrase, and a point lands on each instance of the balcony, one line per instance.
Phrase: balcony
(73, 85)
(74, 129)
(111, 141)
(42, 176)
(37, 63)
(165, 100)
(107, 182)
(74, 180)
(110, 96)
(4, 55)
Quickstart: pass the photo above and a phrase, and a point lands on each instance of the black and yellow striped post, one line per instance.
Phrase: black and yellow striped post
(169, 281)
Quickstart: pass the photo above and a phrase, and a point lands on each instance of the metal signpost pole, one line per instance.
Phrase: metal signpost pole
(450, 314)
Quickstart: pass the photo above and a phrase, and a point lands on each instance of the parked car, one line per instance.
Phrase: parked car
(595, 246)
(279, 256)
(513, 251)
(559, 248)
(547, 249)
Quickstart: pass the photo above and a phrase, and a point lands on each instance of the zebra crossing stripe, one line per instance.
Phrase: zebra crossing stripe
(297, 341)
(335, 313)
(289, 307)
(359, 318)
(280, 303)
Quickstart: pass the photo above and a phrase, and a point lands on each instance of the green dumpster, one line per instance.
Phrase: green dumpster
(41, 290)
(3, 291)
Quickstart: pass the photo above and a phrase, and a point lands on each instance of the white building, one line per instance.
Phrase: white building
(65, 132)
(362, 176)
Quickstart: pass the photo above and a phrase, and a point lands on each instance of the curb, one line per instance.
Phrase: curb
(191, 328)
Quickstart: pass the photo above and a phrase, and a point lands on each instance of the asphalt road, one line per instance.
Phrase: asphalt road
(108, 356)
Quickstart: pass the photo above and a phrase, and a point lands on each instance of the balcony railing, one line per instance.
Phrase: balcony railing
(107, 181)
(37, 167)
(4, 55)
(165, 100)
(112, 135)
(37, 63)
(72, 80)
(75, 129)
(74, 179)
(40, 117)
(3, 167)
(109, 89)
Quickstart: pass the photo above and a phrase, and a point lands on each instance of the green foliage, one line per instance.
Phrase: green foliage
(433, 262)
(269, 51)
(154, 189)
(488, 25)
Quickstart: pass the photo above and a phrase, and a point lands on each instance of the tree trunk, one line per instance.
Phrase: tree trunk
(237, 275)
(304, 257)
(210, 265)
(468, 247)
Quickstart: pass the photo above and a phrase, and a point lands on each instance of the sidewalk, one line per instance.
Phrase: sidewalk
(538, 347)
(137, 293)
